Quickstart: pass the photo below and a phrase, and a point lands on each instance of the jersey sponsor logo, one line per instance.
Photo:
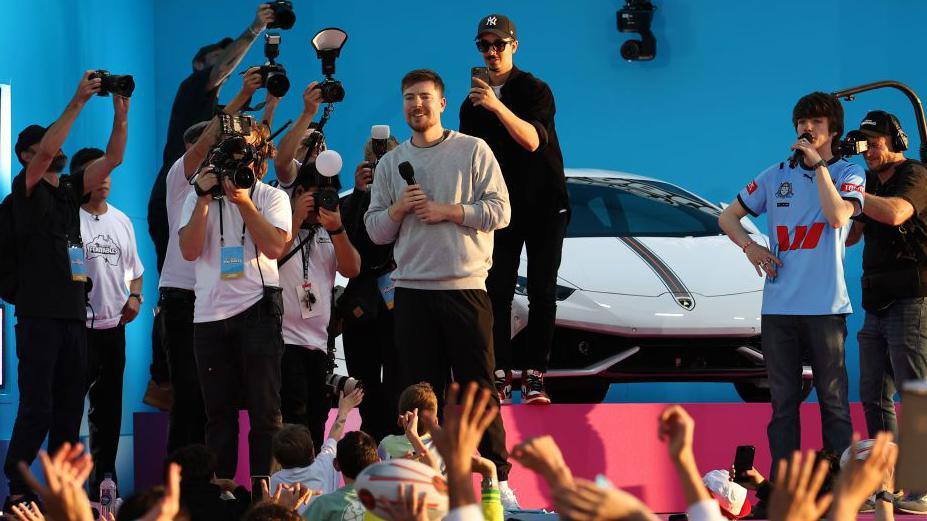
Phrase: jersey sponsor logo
(782, 205)
(751, 187)
(850, 187)
(785, 190)
(803, 238)
(104, 246)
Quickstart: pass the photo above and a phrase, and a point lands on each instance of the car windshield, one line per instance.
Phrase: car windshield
(618, 207)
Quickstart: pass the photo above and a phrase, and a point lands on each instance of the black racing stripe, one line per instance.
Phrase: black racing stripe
(669, 278)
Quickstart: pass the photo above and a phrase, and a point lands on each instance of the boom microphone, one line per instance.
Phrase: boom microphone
(796, 157)
(407, 172)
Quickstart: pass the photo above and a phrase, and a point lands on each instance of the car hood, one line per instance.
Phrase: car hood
(652, 266)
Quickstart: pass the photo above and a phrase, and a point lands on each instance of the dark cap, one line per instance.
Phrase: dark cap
(879, 123)
(498, 24)
(30, 135)
(84, 157)
(221, 44)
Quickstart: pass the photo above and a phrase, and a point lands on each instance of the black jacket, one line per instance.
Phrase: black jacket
(361, 300)
(535, 180)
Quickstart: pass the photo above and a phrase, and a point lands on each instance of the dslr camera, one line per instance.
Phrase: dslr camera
(118, 84)
(284, 17)
(273, 74)
(853, 144)
(232, 156)
(322, 188)
(340, 383)
(332, 90)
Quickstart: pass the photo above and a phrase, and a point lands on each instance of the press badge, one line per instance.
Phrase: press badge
(387, 289)
(78, 268)
(307, 301)
(233, 262)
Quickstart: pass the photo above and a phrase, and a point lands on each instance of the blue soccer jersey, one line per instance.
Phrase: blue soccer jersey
(811, 278)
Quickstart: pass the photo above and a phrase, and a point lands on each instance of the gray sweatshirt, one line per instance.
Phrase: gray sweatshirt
(460, 170)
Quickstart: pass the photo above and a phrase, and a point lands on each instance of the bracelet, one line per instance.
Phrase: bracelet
(137, 296)
(339, 231)
(819, 164)
(886, 496)
(253, 32)
(747, 245)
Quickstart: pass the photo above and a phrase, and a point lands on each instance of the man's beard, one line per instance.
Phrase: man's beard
(58, 163)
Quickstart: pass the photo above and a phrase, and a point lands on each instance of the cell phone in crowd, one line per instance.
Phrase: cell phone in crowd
(258, 486)
(479, 72)
(912, 441)
(743, 462)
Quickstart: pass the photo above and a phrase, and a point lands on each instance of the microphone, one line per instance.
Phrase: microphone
(407, 172)
(796, 157)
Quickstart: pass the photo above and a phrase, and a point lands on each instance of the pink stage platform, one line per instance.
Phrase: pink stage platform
(616, 440)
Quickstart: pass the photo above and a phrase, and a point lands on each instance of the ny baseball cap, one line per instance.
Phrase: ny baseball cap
(498, 24)
(879, 123)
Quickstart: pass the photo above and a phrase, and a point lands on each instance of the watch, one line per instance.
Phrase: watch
(489, 483)
(138, 296)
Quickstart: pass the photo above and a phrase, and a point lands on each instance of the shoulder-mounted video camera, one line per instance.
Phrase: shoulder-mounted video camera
(233, 156)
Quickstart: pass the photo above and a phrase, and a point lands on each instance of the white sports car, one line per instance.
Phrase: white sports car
(649, 289)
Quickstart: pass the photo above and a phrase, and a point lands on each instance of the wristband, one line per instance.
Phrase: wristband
(339, 231)
(253, 32)
(137, 296)
(747, 245)
(819, 164)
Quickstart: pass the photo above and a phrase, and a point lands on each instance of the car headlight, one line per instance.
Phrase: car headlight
(521, 288)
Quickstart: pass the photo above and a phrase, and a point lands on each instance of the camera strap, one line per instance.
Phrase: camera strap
(222, 225)
(303, 250)
(298, 247)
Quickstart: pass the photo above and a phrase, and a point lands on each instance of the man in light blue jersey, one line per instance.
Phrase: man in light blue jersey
(808, 203)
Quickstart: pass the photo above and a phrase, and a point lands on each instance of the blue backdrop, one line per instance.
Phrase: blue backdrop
(708, 113)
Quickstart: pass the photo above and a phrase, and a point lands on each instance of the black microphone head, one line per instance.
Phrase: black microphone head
(407, 172)
(806, 136)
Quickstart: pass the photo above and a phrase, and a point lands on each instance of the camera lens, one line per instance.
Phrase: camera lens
(277, 84)
(284, 17)
(631, 50)
(242, 177)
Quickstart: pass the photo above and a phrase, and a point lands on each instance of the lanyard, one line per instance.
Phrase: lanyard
(222, 226)
(307, 245)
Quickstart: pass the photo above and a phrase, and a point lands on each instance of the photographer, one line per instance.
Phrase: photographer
(233, 235)
(196, 100)
(809, 201)
(440, 220)
(318, 248)
(893, 341)
(514, 113)
(112, 262)
(50, 297)
(367, 328)
(187, 422)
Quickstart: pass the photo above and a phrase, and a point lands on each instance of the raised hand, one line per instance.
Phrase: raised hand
(587, 501)
(861, 478)
(677, 429)
(168, 506)
(542, 455)
(795, 489)
(65, 474)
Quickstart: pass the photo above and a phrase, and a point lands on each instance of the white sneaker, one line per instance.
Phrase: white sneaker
(509, 501)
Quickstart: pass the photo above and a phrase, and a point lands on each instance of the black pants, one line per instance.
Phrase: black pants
(543, 240)
(106, 363)
(785, 339)
(238, 360)
(305, 398)
(187, 424)
(370, 354)
(440, 332)
(52, 372)
(159, 370)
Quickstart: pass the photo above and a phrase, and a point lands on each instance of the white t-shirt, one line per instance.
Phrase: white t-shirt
(176, 272)
(319, 475)
(112, 262)
(216, 298)
(319, 256)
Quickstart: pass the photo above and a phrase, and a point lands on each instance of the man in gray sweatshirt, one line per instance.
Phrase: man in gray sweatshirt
(441, 219)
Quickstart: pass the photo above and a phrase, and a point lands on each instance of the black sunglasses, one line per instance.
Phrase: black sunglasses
(498, 45)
